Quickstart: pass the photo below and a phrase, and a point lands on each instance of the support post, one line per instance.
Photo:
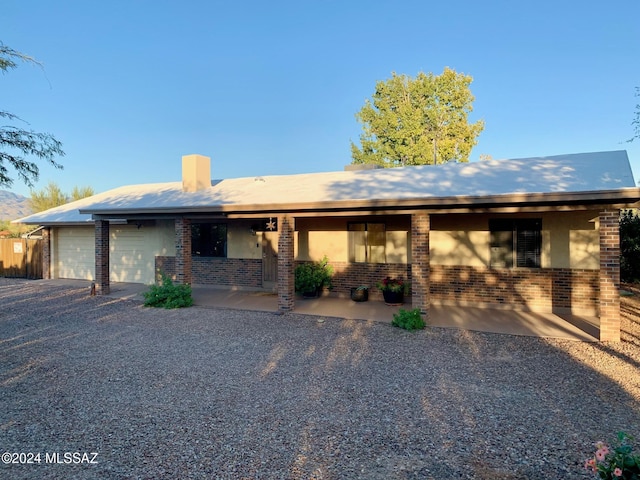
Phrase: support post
(102, 256)
(46, 253)
(183, 251)
(286, 283)
(610, 275)
(420, 262)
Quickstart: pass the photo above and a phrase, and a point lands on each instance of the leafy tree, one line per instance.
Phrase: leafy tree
(629, 246)
(418, 121)
(52, 196)
(636, 121)
(81, 192)
(17, 143)
(14, 229)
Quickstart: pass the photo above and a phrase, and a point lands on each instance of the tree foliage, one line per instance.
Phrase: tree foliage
(52, 196)
(418, 121)
(14, 229)
(629, 246)
(636, 120)
(17, 143)
(81, 192)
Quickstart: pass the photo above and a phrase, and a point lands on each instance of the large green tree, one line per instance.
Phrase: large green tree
(16, 144)
(52, 196)
(418, 121)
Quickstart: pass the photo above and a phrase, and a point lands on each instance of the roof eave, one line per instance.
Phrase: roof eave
(619, 198)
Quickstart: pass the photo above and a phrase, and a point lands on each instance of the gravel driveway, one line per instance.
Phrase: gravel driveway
(212, 393)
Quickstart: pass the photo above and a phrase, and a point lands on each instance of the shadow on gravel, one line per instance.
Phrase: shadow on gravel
(208, 393)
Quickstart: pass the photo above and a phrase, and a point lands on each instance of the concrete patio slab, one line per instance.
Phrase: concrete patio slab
(503, 321)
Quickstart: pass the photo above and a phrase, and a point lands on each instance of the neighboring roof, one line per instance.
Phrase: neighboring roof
(584, 176)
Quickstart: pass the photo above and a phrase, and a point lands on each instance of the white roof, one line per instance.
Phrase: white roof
(586, 172)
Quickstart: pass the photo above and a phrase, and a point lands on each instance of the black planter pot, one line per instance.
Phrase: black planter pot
(312, 294)
(393, 298)
(359, 294)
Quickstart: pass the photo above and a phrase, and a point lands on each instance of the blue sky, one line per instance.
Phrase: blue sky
(273, 87)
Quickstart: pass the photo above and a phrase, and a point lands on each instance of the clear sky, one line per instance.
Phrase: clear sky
(129, 86)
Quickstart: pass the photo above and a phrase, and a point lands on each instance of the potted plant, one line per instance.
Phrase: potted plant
(393, 290)
(360, 294)
(311, 278)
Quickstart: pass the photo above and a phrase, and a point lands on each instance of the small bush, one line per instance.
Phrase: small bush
(615, 462)
(311, 277)
(168, 295)
(408, 319)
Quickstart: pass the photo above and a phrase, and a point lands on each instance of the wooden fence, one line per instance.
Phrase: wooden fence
(20, 258)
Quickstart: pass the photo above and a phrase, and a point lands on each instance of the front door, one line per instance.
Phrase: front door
(269, 260)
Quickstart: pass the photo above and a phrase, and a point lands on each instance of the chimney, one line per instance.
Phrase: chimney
(196, 173)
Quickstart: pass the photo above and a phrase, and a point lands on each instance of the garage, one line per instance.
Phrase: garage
(131, 254)
(130, 259)
(73, 252)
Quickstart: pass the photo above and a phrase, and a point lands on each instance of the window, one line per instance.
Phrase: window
(208, 239)
(515, 243)
(367, 242)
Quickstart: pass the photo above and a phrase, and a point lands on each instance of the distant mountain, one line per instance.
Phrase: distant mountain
(13, 206)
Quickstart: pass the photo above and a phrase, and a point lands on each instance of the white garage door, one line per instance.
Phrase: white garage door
(74, 249)
(131, 258)
(132, 252)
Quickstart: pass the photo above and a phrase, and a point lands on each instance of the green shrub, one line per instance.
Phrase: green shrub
(408, 319)
(311, 277)
(616, 461)
(168, 295)
(629, 246)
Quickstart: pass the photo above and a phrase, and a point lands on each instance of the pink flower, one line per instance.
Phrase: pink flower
(617, 472)
(601, 453)
(590, 465)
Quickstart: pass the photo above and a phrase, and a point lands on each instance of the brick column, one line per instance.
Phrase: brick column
(610, 275)
(102, 257)
(46, 253)
(420, 266)
(183, 250)
(286, 285)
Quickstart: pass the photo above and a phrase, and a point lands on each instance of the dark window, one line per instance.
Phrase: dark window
(209, 239)
(515, 243)
(367, 242)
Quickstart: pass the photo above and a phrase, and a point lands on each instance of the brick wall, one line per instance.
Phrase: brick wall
(553, 288)
(349, 275)
(165, 265)
(546, 288)
(241, 272)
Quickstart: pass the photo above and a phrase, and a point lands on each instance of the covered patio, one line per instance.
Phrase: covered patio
(494, 320)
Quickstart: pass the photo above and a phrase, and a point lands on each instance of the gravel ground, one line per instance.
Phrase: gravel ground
(212, 393)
